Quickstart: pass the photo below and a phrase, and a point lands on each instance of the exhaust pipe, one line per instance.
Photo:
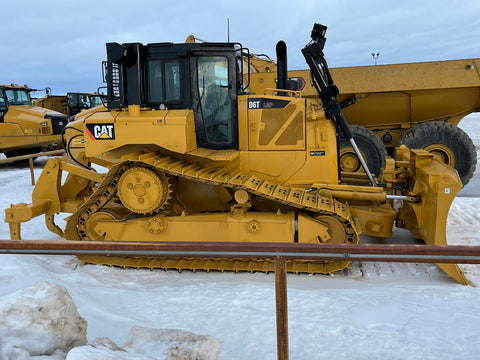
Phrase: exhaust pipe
(282, 71)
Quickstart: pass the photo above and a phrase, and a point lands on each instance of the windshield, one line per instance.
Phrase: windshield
(18, 97)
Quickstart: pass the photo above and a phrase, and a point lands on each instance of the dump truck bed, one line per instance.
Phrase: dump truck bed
(398, 95)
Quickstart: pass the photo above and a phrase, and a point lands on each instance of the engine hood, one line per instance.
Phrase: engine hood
(39, 111)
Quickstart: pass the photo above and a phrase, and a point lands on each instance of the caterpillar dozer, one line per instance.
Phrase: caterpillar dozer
(189, 155)
(416, 104)
(24, 128)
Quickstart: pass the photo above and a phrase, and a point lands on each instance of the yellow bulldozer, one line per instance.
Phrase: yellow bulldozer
(416, 104)
(183, 152)
(25, 128)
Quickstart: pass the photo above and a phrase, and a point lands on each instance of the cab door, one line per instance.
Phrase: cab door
(214, 98)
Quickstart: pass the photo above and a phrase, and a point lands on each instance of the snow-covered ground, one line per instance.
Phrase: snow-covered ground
(373, 311)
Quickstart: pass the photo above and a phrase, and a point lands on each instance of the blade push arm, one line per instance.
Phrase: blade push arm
(327, 90)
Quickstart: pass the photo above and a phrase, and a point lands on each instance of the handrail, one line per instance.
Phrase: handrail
(30, 160)
(458, 254)
(29, 156)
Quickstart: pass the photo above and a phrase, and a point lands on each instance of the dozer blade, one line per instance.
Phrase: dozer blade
(434, 186)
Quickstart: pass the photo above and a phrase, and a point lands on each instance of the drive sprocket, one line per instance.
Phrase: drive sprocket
(143, 191)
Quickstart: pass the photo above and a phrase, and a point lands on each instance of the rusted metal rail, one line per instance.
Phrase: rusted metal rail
(29, 156)
(276, 251)
(453, 254)
(30, 159)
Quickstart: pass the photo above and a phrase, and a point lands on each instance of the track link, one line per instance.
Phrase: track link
(219, 264)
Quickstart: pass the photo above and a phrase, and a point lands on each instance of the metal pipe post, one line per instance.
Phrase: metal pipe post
(282, 307)
(32, 175)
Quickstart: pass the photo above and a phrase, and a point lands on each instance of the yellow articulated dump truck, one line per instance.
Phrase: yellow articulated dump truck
(416, 104)
(24, 128)
(190, 155)
(72, 103)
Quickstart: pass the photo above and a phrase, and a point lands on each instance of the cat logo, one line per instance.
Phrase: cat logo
(101, 131)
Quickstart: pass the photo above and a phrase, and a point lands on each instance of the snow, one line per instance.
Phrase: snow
(372, 311)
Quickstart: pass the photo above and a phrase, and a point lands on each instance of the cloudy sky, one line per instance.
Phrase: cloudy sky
(60, 44)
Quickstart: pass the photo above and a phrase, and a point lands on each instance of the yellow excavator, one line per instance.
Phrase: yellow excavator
(182, 152)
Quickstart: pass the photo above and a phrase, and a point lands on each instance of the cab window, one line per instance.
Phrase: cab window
(18, 97)
(3, 107)
(3, 104)
(163, 82)
(96, 100)
(81, 101)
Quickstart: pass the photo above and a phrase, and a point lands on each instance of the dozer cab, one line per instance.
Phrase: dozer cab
(24, 128)
(72, 103)
(191, 156)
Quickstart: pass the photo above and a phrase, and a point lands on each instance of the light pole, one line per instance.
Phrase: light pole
(375, 55)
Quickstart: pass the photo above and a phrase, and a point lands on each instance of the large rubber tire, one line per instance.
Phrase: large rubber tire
(449, 143)
(370, 146)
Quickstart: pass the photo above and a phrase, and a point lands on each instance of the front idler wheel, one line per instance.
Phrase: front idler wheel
(91, 225)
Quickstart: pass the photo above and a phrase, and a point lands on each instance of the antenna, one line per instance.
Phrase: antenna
(228, 29)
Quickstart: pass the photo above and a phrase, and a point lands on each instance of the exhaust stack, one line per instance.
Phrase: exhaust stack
(282, 74)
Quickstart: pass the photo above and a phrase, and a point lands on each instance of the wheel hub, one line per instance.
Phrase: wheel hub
(442, 153)
(349, 161)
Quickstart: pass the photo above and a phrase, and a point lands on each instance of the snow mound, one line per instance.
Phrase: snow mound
(98, 351)
(39, 320)
(151, 344)
(42, 322)
(171, 344)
